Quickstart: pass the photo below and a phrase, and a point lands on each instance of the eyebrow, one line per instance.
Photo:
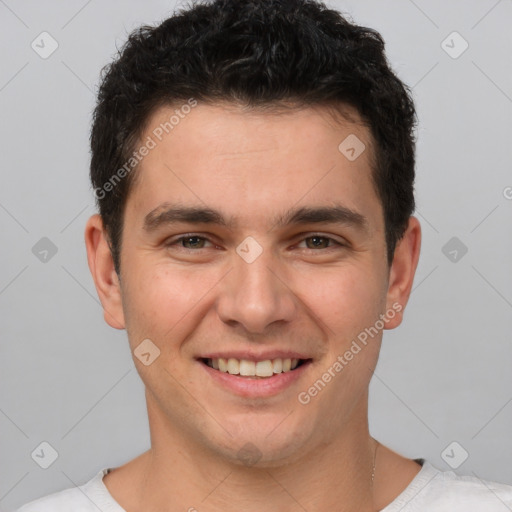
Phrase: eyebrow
(167, 213)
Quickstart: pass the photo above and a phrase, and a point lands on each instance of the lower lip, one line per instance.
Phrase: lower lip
(256, 388)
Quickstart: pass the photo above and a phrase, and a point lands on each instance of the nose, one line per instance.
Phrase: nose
(256, 295)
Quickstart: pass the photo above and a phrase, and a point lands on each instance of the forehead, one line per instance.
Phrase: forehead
(255, 161)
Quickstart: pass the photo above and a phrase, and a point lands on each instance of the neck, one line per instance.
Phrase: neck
(178, 474)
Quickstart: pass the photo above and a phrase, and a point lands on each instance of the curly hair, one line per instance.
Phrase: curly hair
(259, 54)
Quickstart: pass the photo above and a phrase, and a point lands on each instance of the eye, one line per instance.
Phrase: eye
(318, 241)
(194, 242)
(189, 242)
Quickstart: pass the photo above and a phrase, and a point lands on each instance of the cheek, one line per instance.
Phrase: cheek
(162, 303)
(345, 299)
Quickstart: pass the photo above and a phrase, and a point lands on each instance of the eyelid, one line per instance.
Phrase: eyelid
(177, 239)
(305, 236)
(174, 241)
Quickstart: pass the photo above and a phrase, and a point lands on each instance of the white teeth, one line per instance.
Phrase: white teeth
(264, 368)
(233, 366)
(248, 368)
(223, 365)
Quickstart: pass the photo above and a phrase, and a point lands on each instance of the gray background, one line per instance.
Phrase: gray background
(68, 379)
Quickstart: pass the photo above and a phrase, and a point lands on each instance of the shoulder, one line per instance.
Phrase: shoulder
(86, 498)
(470, 491)
(58, 502)
(445, 491)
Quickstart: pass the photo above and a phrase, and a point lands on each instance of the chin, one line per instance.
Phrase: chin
(264, 446)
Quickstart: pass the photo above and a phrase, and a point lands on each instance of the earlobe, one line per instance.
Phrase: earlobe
(103, 272)
(402, 271)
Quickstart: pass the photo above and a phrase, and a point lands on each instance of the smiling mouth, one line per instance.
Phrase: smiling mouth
(254, 369)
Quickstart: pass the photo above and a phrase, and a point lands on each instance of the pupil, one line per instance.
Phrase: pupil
(193, 240)
(318, 241)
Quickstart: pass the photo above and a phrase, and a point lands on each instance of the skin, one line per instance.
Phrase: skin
(191, 299)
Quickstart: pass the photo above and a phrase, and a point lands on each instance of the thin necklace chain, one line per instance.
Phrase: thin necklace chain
(374, 459)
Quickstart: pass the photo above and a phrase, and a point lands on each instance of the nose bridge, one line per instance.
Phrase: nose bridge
(254, 294)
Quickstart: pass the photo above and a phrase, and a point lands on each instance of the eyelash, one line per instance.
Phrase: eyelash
(180, 239)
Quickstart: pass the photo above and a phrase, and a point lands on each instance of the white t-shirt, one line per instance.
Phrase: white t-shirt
(431, 490)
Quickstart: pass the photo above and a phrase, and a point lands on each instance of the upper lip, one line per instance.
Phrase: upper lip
(255, 356)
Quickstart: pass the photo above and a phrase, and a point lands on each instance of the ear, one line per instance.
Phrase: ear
(401, 274)
(103, 272)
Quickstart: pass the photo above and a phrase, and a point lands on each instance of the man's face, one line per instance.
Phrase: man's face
(270, 271)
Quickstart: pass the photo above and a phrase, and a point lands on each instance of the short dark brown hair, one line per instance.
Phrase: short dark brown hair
(256, 53)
